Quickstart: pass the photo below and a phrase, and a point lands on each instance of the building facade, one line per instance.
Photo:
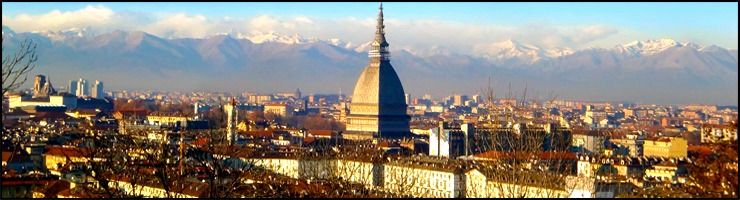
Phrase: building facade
(72, 89)
(450, 141)
(718, 132)
(67, 100)
(97, 90)
(666, 147)
(42, 87)
(83, 88)
(278, 109)
(231, 112)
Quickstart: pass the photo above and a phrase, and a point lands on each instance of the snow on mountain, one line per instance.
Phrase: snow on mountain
(558, 52)
(434, 50)
(74, 32)
(333, 61)
(260, 37)
(650, 47)
(8, 31)
(233, 33)
(340, 43)
(364, 47)
(512, 51)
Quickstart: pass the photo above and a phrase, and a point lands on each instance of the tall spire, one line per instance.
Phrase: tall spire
(379, 50)
(380, 32)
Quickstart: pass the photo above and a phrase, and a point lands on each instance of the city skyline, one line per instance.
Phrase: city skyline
(435, 100)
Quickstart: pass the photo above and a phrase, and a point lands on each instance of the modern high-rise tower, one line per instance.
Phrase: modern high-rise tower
(97, 90)
(72, 87)
(231, 112)
(83, 89)
(378, 108)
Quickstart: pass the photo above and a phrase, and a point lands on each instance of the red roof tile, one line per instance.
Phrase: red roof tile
(70, 152)
(260, 133)
(541, 155)
(322, 132)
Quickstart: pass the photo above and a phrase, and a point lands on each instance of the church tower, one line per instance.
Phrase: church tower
(378, 108)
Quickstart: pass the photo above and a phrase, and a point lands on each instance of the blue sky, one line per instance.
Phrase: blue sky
(612, 23)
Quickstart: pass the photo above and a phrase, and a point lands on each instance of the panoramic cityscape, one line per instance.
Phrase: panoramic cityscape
(370, 100)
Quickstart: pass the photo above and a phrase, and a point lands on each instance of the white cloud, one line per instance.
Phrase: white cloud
(457, 36)
(303, 19)
(181, 25)
(57, 20)
(593, 32)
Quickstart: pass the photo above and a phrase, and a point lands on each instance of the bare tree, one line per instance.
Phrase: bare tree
(524, 160)
(400, 177)
(709, 176)
(16, 65)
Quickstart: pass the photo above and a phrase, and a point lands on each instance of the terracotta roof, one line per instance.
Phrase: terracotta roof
(200, 142)
(701, 150)
(54, 115)
(17, 112)
(716, 126)
(6, 155)
(171, 114)
(387, 143)
(86, 111)
(25, 179)
(660, 139)
(322, 132)
(137, 112)
(666, 163)
(20, 156)
(70, 152)
(8, 171)
(23, 182)
(54, 188)
(191, 188)
(82, 193)
(541, 155)
(259, 133)
(308, 140)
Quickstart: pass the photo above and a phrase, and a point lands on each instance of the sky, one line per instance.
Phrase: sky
(457, 26)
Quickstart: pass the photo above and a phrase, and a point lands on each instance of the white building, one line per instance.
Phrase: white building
(83, 88)
(231, 111)
(279, 109)
(97, 90)
(16, 101)
(426, 179)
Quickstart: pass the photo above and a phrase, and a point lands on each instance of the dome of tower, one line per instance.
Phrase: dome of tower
(379, 85)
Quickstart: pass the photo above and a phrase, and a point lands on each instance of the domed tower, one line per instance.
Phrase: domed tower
(378, 107)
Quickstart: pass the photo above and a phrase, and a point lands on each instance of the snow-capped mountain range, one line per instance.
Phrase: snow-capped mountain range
(65, 34)
(254, 57)
(497, 52)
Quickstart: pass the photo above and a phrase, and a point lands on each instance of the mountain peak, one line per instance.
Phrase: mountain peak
(74, 32)
(510, 50)
(650, 47)
(257, 37)
(8, 31)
